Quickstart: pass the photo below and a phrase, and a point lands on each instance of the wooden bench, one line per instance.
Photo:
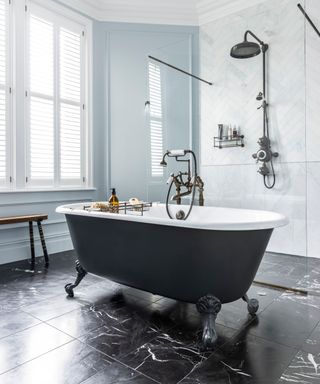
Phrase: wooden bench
(30, 219)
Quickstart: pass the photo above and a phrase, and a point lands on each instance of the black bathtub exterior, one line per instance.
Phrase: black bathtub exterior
(177, 262)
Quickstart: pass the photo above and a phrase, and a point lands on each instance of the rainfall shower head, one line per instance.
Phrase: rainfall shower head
(245, 50)
(248, 49)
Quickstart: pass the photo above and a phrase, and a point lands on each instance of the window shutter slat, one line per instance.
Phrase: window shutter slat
(70, 142)
(41, 109)
(41, 56)
(156, 127)
(70, 114)
(41, 139)
(3, 136)
(70, 73)
(3, 98)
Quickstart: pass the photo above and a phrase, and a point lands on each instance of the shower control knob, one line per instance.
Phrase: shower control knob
(264, 142)
(264, 170)
(262, 155)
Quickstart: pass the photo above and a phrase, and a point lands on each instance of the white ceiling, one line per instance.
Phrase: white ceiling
(177, 12)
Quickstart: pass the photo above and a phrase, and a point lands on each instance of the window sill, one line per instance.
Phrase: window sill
(35, 190)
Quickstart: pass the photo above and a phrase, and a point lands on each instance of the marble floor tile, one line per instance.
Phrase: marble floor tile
(284, 270)
(72, 363)
(289, 320)
(122, 334)
(172, 355)
(127, 335)
(247, 359)
(90, 317)
(29, 344)
(15, 321)
(235, 314)
(312, 342)
(118, 374)
(304, 369)
(311, 280)
(31, 288)
(52, 307)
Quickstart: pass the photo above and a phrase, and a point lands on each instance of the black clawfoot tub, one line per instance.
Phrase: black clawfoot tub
(209, 259)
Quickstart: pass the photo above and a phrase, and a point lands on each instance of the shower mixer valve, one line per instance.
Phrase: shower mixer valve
(188, 181)
(264, 155)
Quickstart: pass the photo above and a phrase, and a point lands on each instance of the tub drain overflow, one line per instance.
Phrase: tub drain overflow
(180, 215)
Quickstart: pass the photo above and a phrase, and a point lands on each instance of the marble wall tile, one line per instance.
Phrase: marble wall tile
(289, 197)
(231, 174)
(313, 195)
(237, 186)
(240, 186)
(232, 99)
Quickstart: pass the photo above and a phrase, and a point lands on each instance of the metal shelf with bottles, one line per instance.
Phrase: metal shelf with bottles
(131, 207)
(228, 137)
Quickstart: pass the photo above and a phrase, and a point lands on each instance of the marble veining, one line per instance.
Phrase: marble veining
(111, 334)
(304, 369)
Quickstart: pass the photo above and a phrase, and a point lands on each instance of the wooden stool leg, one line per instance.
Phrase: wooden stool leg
(43, 243)
(33, 258)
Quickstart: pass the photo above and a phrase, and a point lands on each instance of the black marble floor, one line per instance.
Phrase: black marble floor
(113, 334)
(290, 271)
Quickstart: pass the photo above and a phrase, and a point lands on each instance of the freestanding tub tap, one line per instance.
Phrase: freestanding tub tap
(191, 183)
(212, 259)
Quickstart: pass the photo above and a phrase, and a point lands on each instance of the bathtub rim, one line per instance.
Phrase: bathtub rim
(278, 219)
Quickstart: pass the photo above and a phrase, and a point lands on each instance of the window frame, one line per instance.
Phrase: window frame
(62, 18)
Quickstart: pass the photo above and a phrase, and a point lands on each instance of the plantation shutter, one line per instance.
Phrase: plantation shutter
(70, 107)
(42, 120)
(57, 151)
(156, 125)
(4, 94)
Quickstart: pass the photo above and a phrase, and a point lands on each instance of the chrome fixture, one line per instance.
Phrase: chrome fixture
(183, 180)
(264, 155)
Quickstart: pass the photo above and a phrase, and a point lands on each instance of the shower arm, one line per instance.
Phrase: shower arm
(248, 32)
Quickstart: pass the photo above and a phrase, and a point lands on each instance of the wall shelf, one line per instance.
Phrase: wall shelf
(226, 142)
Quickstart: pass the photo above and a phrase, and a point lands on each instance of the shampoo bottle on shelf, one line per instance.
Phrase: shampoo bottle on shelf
(235, 131)
(220, 131)
(230, 132)
(114, 201)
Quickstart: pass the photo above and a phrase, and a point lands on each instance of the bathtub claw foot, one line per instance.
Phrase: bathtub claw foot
(253, 305)
(209, 306)
(80, 275)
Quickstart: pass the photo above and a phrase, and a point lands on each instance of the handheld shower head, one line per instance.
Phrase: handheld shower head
(260, 96)
(173, 153)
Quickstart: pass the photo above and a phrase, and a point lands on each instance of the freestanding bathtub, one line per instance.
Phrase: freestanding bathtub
(209, 259)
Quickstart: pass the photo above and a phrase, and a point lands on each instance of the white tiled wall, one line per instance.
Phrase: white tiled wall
(294, 92)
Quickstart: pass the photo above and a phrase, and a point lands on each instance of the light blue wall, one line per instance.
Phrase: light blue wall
(119, 92)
